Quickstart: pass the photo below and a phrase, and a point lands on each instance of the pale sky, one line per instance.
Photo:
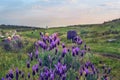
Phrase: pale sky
(54, 13)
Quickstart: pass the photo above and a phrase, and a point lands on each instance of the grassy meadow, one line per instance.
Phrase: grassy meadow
(103, 40)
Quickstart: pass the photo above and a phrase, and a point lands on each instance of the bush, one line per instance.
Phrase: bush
(12, 43)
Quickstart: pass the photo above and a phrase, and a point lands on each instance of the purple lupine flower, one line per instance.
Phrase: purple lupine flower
(77, 50)
(44, 39)
(87, 64)
(22, 74)
(40, 62)
(81, 72)
(28, 75)
(30, 56)
(53, 44)
(79, 42)
(64, 77)
(36, 45)
(88, 68)
(11, 75)
(105, 77)
(33, 70)
(63, 45)
(73, 52)
(41, 76)
(28, 64)
(36, 53)
(50, 39)
(77, 78)
(76, 39)
(46, 74)
(57, 41)
(64, 68)
(17, 73)
(83, 52)
(52, 76)
(60, 69)
(7, 75)
(64, 51)
(2, 79)
(86, 71)
(57, 65)
(37, 68)
(56, 50)
(42, 44)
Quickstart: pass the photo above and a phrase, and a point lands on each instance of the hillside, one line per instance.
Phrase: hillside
(103, 40)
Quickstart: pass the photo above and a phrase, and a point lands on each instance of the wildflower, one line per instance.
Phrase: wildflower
(7, 75)
(64, 51)
(86, 71)
(30, 56)
(63, 45)
(81, 72)
(57, 41)
(77, 78)
(28, 75)
(28, 64)
(60, 68)
(77, 50)
(17, 73)
(37, 69)
(36, 54)
(41, 76)
(2, 79)
(64, 77)
(11, 75)
(46, 74)
(73, 52)
(22, 74)
(56, 51)
(40, 62)
(82, 52)
(52, 76)
(33, 70)
(42, 44)
(76, 39)
(79, 42)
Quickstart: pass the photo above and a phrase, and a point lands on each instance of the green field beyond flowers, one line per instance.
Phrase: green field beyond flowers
(59, 63)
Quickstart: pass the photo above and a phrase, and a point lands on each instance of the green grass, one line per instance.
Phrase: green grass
(113, 63)
(91, 35)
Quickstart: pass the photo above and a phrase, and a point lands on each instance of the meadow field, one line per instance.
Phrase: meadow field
(102, 39)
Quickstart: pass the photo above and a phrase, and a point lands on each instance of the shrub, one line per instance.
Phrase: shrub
(71, 34)
(51, 63)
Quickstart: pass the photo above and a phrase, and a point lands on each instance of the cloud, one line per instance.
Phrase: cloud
(58, 12)
(111, 4)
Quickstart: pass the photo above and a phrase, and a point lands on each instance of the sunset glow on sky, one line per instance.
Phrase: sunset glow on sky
(57, 12)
